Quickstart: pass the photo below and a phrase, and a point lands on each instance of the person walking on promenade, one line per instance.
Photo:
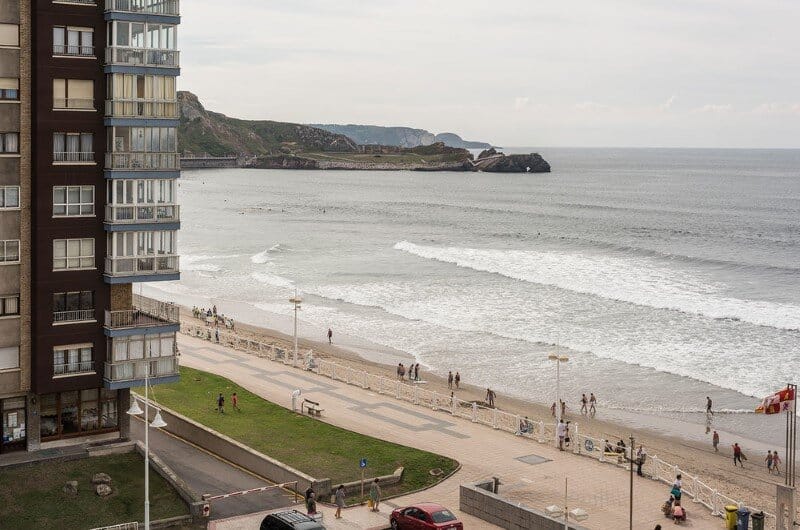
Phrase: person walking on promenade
(561, 432)
(216, 335)
(330, 336)
(235, 402)
(400, 371)
(738, 456)
(776, 463)
(375, 495)
(584, 404)
(592, 404)
(339, 496)
(450, 379)
(416, 372)
(457, 380)
(221, 404)
(708, 406)
(715, 441)
(641, 456)
(768, 460)
(214, 310)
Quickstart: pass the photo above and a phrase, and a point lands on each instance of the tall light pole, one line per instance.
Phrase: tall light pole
(630, 506)
(296, 301)
(157, 422)
(558, 359)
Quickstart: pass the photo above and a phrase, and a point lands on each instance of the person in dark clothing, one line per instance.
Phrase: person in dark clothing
(221, 404)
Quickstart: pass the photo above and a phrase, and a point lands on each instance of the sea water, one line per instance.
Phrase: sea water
(666, 275)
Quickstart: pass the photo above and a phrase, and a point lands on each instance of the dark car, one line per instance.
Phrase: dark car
(290, 520)
(427, 516)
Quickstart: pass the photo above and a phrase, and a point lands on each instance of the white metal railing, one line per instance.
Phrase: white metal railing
(153, 7)
(140, 265)
(79, 315)
(73, 104)
(73, 156)
(142, 213)
(73, 368)
(82, 2)
(77, 50)
(142, 108)
(146, 312)
(121, 526)
(142, 56)
(137, 369)
(142, 161)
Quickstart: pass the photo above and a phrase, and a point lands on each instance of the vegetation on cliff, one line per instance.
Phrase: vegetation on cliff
(398, 136)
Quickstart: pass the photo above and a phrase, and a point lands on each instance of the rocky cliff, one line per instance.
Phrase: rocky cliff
(398, 136)
(494, 161)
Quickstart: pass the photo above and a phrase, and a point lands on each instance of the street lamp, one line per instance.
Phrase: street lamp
(558, 359)
(296, 301)
(157, 423)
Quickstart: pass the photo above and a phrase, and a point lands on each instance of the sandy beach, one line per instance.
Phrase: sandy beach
(752, 484)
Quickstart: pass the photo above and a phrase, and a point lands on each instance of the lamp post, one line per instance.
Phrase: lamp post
(296, 301)
(157, 422)
(558, 359)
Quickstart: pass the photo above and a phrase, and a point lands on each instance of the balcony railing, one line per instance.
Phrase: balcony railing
(142, 108)
(143, 161)
(142, 265)
(82, 2)
(73, 103)
(138, 369)
(80, 315)
(73, 157)
(153, 7)
(73, 50)
(142, 213)
(74, 368)
(142, 56)
(145, 313)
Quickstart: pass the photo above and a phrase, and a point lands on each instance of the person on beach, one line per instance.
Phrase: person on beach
(567, 440)
(525, 426)
(339, 496)
(235, 402)
(715, 441)
(457, 380)
(375, 495)
(553, 409)
(768, 460)
(563, 409)
(561, 431)
(490, 397)
(450, 380)
(221, 404)
(738, 455)
(401, 371)
(776, 463)
(411, 372)
(592, 403)
(330, 336)
(708, 406)
(216, 335)
(584, 404)
(416, 372)
(214, 310)
(641, 456)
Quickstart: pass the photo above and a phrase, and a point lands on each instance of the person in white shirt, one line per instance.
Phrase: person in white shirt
(561, 431)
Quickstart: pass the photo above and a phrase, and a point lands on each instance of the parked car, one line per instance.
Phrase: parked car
(290, 520)
(424, 516)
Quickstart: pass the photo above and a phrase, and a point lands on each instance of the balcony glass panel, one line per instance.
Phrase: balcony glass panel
(154, 7)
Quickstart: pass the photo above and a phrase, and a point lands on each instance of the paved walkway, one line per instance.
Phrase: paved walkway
(530, 472)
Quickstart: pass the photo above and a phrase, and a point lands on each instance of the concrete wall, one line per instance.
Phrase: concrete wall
(479, 500)
(240, 454)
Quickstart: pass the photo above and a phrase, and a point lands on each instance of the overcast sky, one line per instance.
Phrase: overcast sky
(671, 73)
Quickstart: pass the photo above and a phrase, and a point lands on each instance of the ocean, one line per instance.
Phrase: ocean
(666, 275)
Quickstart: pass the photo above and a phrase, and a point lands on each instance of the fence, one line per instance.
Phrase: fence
(537, 430)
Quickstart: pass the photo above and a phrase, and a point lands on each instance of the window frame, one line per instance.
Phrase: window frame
(3, 198)
(4, 304)
(80, 258)
(4, 246)
(66, 47)
(6, 92)
(80, 204)
(13, 46)
(4, 142)
(84, 366)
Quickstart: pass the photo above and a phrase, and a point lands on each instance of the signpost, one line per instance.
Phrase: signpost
(363, 465)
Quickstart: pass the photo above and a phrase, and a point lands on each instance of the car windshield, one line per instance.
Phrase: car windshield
(443, 516)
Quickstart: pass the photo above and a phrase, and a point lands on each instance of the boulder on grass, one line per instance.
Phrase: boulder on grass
(103, 490)
(101, 478)
(71, 487)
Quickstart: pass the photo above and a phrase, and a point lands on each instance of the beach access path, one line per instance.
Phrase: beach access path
(600, 489)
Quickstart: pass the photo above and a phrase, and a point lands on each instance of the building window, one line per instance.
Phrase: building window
(78, 413)
(73, 41)
(73, 359)
(74, 306)
(9, 143)
(9, 251)
(9, 306)
(73, 254)
(9, 35)
(73, 94)
(73, 201)
(13, 411)
(9, 358)
(73, 147)
(9, 89)
(9, 197)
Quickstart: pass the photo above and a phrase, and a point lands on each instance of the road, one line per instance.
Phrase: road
(205, 473)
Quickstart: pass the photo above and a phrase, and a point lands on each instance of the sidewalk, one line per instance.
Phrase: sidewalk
(530, 472)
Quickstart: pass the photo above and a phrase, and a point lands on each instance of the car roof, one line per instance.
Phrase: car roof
(428, 506)
(298, 520)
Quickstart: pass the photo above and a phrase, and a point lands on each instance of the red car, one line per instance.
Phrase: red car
(426, 515)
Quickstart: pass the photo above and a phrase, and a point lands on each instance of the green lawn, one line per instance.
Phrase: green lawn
(31, 496)
(314, 447)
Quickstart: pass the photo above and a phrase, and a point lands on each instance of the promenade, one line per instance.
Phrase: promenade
(530, 472)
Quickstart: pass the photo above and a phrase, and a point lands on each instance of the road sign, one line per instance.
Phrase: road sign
(362, 463)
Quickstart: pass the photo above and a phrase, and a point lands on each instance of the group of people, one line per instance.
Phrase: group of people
(211, 316)
(588, 405)
(221, 403)
(672, 507)
(413, 372)
(453, 380)
(339, 497)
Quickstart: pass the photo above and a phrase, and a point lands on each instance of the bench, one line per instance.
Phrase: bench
(312, 407)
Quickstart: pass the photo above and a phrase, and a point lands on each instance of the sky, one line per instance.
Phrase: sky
(622, 73)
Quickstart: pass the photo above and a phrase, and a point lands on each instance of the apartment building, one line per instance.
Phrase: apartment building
(88, 172)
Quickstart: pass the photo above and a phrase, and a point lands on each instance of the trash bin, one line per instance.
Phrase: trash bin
(758, 520)
(743, 522)
(730, 516)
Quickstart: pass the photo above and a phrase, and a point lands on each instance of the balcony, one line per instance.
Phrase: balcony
(73, 157)
(126, 374)
(73, 50)
(142, 108)
(81, 367)
(150, 7)
(146, 313)
(142, 213)
(79, 2)
(142, 266)
(138, 161)
(73, 104)
(73, 317)
(142, 57)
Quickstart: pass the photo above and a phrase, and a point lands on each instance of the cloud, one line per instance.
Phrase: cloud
(520, 102)
(714, 109)
(667, 104)
(777, 108)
